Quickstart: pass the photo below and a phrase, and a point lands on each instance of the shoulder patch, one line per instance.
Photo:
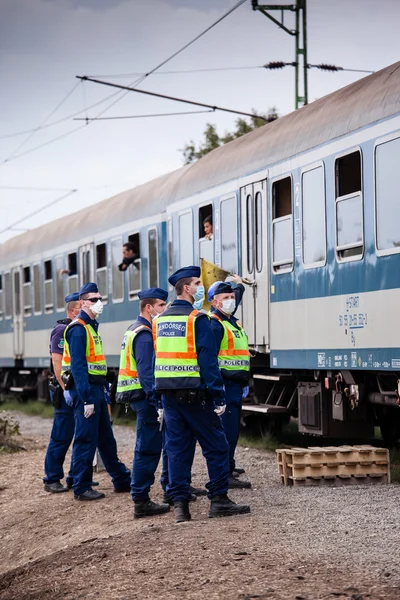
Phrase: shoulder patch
(61, 343)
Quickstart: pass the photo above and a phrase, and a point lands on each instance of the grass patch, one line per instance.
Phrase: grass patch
(32, 407)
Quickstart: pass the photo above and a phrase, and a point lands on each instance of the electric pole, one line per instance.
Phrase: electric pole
(300, 35)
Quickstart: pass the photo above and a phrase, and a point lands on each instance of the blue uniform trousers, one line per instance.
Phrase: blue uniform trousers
(60, 440)
(95, 432)
(231, 418)
(185, 423)
(164, 479)
(147, 449)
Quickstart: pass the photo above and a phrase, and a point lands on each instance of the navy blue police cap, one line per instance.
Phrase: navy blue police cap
(183, 273)
(158, 293)
(89, 288)
(72, 297)
(222, 288)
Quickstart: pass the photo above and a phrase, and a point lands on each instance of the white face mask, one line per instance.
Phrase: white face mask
(228, 306)
(97, 308)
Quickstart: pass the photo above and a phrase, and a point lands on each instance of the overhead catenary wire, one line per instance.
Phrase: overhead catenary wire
(173, 98)
(170, 114)
(37, 211)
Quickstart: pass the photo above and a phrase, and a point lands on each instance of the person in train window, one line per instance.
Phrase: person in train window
(84, 368)
(130, 254)
(193, 397)
(234, 363)
(136, 387)
(63, 426)
(208, 228)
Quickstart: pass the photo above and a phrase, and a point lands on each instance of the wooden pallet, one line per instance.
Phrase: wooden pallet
(333, 465)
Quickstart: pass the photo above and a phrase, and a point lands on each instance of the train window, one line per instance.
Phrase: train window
(72, 283)
(17, 292)
(229, 242)
(27, 291)
(206, 232)
(117, 275)
(37, 290)
(7, 296)
(282, 225)
(170, 257)
(348, 174)
(185, 239)
(387, 181)
(249, 233)
(59, 261)
(1, 297)
(349, 209)
(153, 257)
(135, 270)
(313, 217)
(48, 287)
(258, 231)
(101, 270)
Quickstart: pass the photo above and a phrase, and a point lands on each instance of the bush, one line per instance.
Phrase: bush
(8, 429)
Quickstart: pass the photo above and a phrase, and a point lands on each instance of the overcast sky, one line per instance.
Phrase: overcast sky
(44, 44)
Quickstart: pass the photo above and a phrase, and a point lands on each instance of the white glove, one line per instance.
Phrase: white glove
(160, 412)
(88, 410)
(219, 410)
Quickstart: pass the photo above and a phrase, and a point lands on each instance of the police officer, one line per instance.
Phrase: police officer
(63, 425)
(234, 362)
(187, 375)
(83, 357)
(136, 387)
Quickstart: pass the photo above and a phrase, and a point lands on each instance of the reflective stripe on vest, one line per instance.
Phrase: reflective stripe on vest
(233, 355)
(128, 379)
(176, 365)
(96, 361)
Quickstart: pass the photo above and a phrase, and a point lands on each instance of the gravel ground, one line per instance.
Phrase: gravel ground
(298, 543)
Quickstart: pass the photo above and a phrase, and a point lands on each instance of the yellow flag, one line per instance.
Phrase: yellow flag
(209, 274)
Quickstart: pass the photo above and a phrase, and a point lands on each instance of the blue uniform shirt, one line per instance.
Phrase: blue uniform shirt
(143, 349)
(57, 337)
(206, 355)
(76, 338)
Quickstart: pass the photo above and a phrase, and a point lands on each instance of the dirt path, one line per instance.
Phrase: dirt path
(298, 544)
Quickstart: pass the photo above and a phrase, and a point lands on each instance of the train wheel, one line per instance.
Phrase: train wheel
(389, 423)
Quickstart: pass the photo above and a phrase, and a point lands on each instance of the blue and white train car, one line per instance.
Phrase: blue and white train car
(307, 206)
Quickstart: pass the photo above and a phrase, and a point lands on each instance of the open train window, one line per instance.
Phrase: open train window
(229, 235)
(7, 296)
(117, 275)
(282, 225)
(206, 233)
(387, 205)
(135, 269)
(1, 297)
(153, 257)
(185, 239)
(60, 295)
(349, 207)
(313, 217)
(101, 270)
(27, 291)
(72, 273)
(37, 290)
(48, 287)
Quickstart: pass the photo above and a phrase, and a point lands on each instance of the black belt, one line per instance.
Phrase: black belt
(189, 395)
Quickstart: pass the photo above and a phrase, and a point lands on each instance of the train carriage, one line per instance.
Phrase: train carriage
(306, 206)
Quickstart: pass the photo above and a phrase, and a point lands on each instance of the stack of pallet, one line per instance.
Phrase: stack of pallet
(333, 465)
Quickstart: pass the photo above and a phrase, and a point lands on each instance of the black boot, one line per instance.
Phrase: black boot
(167, 500)
(181, 508)
(149, 509)
(222, 506)
(235, 483)
(197, 491)
(238, 471)
(90, 495)
(55, 488)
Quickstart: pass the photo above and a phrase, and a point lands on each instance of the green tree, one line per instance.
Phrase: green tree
(213, 140)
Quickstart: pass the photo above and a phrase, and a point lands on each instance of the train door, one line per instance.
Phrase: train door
(86, 263)
(253, 200)
(18, 317)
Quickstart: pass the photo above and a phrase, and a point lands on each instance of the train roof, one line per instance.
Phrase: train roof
(353, 107)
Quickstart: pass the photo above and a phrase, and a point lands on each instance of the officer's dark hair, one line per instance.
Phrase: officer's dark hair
(130, 246)
(181, 283)
(208, 220)
(145, 301)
